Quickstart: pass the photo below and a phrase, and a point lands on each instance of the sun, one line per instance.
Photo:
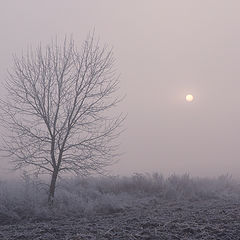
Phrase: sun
(189, 98)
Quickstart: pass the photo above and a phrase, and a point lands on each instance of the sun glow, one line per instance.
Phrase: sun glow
(189, 98)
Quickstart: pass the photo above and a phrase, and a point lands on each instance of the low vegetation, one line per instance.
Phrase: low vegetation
(26, 199)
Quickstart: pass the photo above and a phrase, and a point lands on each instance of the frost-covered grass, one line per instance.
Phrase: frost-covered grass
(27, 198)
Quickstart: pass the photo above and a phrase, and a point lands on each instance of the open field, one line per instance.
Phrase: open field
(138, 207)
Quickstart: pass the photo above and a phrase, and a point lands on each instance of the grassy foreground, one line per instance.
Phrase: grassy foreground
(26, 199)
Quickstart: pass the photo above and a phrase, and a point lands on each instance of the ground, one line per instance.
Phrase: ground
(150, 218)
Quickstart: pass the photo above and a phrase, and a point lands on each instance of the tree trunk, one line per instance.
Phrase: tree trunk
(52, 187)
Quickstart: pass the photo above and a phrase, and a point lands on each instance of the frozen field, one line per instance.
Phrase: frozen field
(153, 219)
(129, 208)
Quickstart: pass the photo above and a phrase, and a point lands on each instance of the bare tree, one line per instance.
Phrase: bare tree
(57, 110)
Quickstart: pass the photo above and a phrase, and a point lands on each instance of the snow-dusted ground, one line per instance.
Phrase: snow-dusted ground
(149, 219)
(183, 208)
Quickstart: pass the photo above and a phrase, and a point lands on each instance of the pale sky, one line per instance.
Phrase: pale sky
(164, 49)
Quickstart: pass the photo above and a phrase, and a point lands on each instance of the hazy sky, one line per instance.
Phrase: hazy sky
(164, 50)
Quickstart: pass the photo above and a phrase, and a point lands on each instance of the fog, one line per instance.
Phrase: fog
(164, 50)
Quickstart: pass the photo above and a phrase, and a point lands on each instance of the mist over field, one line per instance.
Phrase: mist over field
(138, 207)
(121, 119)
